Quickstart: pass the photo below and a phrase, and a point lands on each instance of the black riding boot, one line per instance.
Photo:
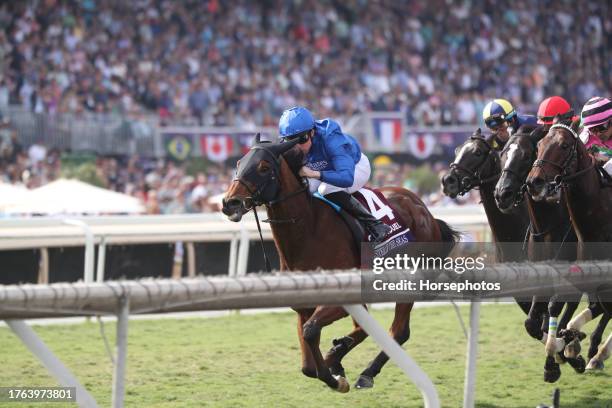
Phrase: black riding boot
(376, 228)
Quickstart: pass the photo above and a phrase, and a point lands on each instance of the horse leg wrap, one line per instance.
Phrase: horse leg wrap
(341, 346)
(580, 320)
(311, 331)
(534, 328)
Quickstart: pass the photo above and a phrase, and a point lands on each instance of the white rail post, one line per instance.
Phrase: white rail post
(469, 391)
(88, 273)
(396, 353)
(121, 345)
(43, 266)
(243, 252)
(231, 269)
(101, 260)
(52, 363)
(191, 260)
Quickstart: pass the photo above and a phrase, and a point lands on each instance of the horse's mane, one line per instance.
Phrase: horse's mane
(295, 159)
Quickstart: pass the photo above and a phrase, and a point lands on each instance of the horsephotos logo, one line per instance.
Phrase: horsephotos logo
(477, 270)
(412, 264)
(427, 269)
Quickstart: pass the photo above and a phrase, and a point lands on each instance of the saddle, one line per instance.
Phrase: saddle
(379, 207)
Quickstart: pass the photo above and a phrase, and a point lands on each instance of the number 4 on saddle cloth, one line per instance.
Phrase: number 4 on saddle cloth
(379, 207)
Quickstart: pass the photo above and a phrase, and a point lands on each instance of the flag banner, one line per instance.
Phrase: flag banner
(421, 145)
(388, 132)
(216, 147)
(178, 146)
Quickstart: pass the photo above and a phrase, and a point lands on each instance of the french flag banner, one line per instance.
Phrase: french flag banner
(388, 132)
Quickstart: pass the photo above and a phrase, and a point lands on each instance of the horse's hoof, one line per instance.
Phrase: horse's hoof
(578, 364)
(595, 365)
(552, 372)
(343, 385)
(573, 348)
(364, 381)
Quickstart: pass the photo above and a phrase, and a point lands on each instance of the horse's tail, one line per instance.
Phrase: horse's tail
(449, 235)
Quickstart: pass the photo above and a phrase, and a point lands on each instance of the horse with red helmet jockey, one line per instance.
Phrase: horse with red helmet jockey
(565, 172)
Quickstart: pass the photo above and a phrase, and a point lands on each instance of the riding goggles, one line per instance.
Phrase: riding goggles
(495, 122)
(600, 128)
(301, 138)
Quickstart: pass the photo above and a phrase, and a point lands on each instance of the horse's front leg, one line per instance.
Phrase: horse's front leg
(342, 346)
(309, 368)
(400, 331)
(311, 333)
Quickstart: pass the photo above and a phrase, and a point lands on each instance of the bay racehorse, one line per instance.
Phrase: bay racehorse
(309, 234)
(552, 237)
(565, 171)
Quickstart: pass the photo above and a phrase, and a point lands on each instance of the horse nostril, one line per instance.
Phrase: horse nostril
(535, 185)
(506, 195)
(232, 203)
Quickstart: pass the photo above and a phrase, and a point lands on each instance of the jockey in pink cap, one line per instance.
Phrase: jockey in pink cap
(597, 132)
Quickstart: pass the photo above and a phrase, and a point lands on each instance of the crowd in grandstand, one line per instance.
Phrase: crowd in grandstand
(243, 62)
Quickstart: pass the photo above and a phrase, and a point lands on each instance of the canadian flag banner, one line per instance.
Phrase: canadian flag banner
(216, 148)
(421, 145)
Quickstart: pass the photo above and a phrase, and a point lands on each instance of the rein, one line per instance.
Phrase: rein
(564, 178)
(474, 178)
(256, 198)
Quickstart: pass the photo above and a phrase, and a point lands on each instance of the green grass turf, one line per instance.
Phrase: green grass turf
(254, 361)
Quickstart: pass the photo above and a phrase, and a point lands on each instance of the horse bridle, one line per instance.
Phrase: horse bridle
(255, 197)
(564, 178)
(474, 178)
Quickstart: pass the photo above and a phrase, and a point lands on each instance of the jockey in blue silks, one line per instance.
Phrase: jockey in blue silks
(335, 166)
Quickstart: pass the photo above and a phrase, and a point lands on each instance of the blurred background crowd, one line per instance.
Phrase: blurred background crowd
(240, 63)
(243, 62)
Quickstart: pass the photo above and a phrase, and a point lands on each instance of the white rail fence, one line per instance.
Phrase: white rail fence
(96, 233)
(122, 298)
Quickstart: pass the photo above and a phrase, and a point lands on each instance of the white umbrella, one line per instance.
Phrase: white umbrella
(10, 194)
(65, 196)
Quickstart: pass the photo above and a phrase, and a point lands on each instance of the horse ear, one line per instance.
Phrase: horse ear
(257, 139)
(538, 133)
(477, 133)
(283, 147)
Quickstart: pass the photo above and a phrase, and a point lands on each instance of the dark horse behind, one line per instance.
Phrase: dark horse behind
(564, 171)
(308, 234)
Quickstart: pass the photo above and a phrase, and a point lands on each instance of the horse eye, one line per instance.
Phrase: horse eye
(263, 168)
(564, 145)
(478, 153)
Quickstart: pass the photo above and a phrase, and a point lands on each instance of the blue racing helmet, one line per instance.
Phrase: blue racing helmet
(295, 120)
